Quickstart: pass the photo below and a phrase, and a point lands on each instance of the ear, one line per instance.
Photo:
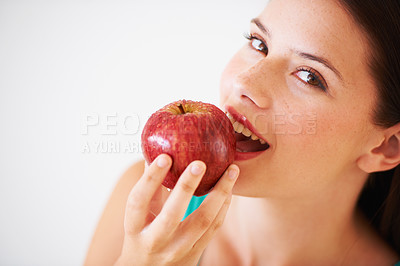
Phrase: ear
(384, 156)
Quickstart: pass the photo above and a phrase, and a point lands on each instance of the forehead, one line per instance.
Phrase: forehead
(319, 27)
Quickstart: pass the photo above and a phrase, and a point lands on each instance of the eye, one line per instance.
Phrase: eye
(256, 43)
(311, 78)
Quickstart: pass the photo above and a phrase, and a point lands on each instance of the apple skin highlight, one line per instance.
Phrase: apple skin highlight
(187, 131)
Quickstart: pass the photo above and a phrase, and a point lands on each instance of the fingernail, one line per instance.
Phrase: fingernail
(196, 169)
(162, 162)
(233, 173)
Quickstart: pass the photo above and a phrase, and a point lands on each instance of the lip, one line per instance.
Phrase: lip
(243, 120)
(241, 156)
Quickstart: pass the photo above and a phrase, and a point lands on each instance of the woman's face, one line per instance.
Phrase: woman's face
(302, 84)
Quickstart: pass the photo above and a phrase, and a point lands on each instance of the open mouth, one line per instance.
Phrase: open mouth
(246, 140)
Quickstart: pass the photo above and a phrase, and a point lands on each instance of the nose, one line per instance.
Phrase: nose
(255, 83)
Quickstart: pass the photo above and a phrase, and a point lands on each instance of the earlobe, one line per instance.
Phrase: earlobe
(385, 156)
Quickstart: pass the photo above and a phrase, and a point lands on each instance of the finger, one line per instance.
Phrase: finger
(157, 201)
(187, 244)
(203, 218)
(139, 198)
(155, 206)
(175, 207)
(205, 239)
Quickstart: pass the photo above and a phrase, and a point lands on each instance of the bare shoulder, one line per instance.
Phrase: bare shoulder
(107, 240)
(129, 178)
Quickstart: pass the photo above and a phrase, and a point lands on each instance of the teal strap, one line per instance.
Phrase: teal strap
(194, 204)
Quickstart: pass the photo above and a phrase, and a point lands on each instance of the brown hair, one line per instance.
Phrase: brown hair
(380, 20)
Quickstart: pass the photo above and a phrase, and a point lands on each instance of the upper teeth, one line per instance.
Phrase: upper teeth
(240, 128)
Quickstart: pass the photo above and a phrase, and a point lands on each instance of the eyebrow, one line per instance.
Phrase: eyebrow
(321, 60)
(308, 56)
(261, 27)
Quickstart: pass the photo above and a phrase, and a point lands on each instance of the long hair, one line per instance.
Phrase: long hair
(380, 21)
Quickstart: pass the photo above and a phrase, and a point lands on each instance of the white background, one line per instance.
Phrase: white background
(63, 63)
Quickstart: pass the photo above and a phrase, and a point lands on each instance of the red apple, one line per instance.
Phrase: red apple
(188, 131)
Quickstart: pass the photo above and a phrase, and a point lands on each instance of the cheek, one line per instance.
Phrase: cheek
(329, 141)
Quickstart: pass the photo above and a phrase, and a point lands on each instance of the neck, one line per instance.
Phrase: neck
(321, 227)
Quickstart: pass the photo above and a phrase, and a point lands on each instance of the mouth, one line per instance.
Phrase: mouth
(249, 143)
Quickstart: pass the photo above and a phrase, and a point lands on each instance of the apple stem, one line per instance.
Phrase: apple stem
(180, 106)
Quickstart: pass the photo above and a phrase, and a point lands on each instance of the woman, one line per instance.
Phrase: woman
(319, 81)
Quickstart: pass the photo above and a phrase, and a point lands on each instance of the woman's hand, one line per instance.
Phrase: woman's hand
(165, 239)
